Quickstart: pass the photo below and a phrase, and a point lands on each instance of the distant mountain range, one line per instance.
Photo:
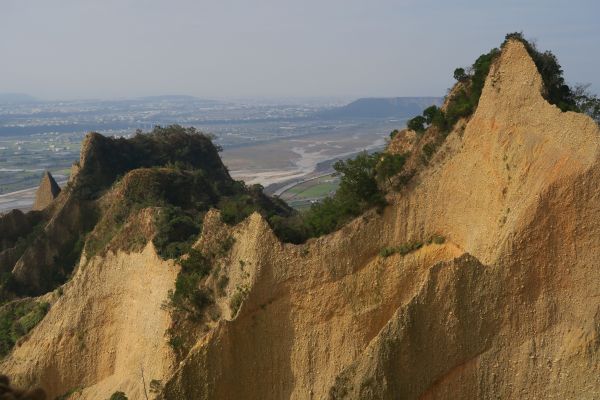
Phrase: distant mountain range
(381, 107)
(16, 98)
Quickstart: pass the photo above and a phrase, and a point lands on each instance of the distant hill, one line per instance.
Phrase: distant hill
(15, 98)
(381, 107)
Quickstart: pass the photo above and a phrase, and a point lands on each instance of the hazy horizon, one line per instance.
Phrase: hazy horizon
(68, 49)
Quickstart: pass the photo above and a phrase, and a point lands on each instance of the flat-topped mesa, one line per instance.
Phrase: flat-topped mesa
(46, 192)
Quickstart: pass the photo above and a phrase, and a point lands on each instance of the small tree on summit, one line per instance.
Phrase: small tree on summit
(460, 75)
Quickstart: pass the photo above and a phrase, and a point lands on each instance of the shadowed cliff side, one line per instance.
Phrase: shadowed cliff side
(46, 192)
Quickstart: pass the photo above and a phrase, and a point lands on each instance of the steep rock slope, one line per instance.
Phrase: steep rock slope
(107, 325)
(506, 307)
(104, 329)
(515, 319)
(46, 192)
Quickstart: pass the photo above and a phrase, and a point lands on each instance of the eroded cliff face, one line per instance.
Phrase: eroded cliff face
(104, 330)
(506, 307)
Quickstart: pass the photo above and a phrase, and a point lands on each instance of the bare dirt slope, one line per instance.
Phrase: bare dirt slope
(507, 307)
(102, 331)
(516, 316)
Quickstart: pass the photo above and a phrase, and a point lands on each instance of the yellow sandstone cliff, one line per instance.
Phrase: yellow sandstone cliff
(507, 307)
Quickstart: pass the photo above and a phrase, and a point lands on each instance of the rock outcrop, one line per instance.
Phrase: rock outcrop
(46, 192)
(505, 307)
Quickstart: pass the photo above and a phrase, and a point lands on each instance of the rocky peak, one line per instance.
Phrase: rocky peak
(47, 191)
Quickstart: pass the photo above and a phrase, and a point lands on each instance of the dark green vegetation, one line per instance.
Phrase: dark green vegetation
(557, 92)
(189, 297)
(177, 172)
(409, 247)
(389, 165)
(463, 100)
(118, 396)
(181, 190)
(362, 187)
(192, 301)
(586, 102)
(417, 124)
(154, 186)
(465, 97)
(17, 319)
(236, 301)
(403, 249)
(18, 231)
(69, 393)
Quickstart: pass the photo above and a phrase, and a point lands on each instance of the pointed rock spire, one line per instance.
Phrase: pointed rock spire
(47, 191)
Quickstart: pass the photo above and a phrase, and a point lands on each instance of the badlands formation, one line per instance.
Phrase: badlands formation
(507, 306)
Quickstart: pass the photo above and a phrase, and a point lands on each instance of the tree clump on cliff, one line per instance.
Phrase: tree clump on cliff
(462, 100)
(17, 319)
(363, 183)
(464, 97)
(177, 173)
(557, 91)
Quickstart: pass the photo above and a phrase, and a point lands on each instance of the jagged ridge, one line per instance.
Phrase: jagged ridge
(501, 308)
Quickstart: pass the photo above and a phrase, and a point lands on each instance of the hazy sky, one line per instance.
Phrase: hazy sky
(241, 48)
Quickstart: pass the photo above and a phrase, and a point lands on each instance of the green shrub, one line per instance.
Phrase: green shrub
(69, 393)
(557, 92)
(394, 133)
(226, 246)
(417, 124)
(434, 116)
(17, 319)
(462, 103)
(438, 239)
(358, 180)
(118, 396)
(235, 209)
(409, 247)
(390, 165)
(291, 229)
(586, 102)
(403, 249)
(189, 296)
(176, 231)
(429, 150)
(196, 262)
(358, 191)
(329, 214)
(236, 302)
(176, 342)
(460, 75)
(387, 251)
